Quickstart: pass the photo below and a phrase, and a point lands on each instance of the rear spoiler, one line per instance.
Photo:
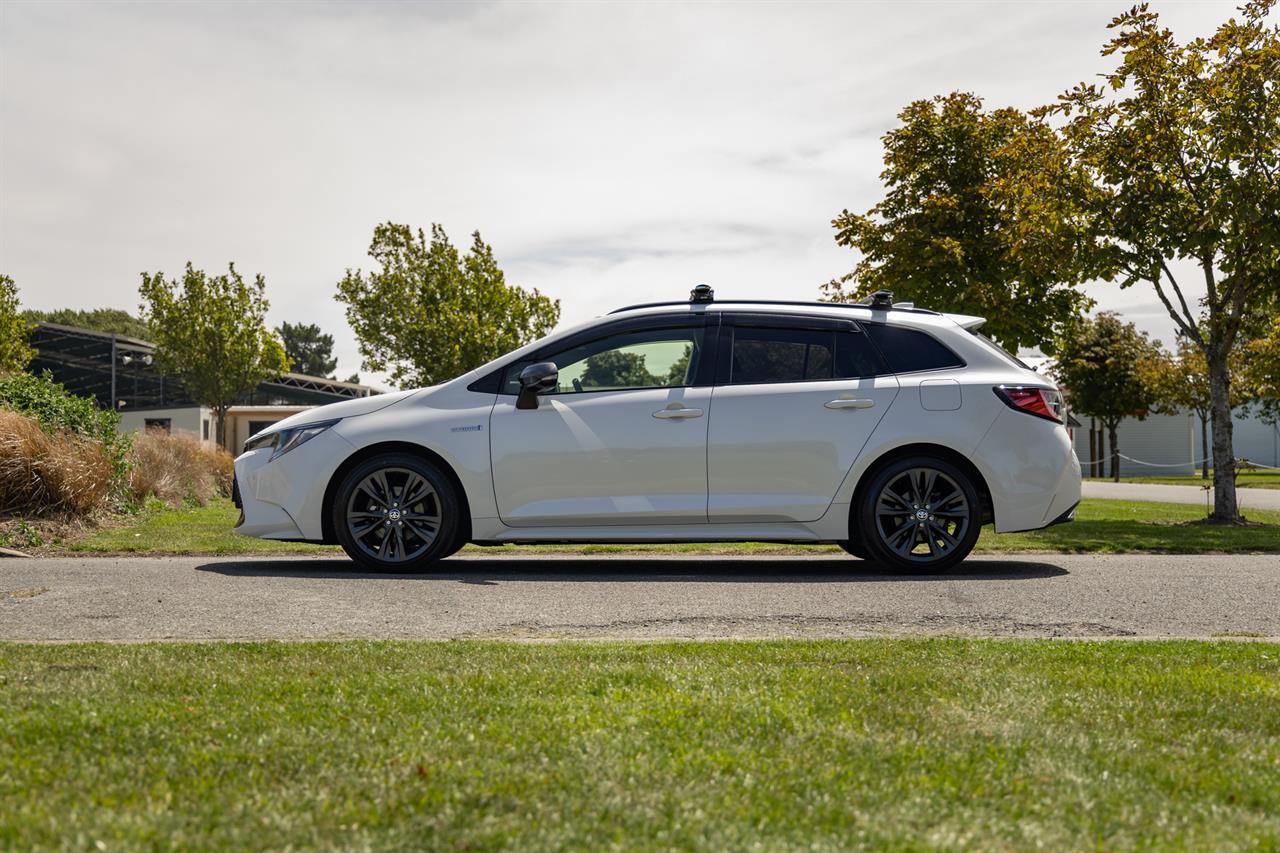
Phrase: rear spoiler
(964, 321)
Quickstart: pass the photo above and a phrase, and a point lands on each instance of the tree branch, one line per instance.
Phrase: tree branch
(1185, 322)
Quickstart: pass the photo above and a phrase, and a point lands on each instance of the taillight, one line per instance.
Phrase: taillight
(1042, 402)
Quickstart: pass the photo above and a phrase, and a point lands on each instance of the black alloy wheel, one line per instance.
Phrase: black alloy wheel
(396, 513)
(919, 514)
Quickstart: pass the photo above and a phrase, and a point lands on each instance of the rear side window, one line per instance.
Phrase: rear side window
(908, 351)
(761, 355)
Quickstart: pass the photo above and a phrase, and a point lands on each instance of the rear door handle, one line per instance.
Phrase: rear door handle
(673, 414)
(845, 403)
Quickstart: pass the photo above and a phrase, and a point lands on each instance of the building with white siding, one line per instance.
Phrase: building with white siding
(1170, 444)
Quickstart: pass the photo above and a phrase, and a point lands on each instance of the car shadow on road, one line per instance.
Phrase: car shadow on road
(481, 570)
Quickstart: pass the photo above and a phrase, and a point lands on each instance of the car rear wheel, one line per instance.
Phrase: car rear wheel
(396, 513)
(919, 514)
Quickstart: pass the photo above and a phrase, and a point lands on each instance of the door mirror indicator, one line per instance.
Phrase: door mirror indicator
(540, 378)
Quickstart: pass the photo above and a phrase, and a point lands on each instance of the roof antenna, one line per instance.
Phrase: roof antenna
(702, 293)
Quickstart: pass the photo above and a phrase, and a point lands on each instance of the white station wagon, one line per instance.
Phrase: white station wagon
(889, 430)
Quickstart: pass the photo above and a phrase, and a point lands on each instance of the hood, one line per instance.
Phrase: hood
(344, 409)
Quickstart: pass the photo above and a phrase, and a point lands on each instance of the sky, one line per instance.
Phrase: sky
(611, 153)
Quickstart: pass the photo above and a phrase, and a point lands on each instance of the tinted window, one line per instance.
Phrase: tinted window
(781, 355)
(653, 358)
(856, 356)
(907, 350)
(799, 355)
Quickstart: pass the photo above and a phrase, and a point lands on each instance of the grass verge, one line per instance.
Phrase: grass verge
(1251, 480)
(722, 745)
(1102, 526)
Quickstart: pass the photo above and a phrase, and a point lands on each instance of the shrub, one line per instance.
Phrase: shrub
(179, 468)
(49, 471)
(57, 410)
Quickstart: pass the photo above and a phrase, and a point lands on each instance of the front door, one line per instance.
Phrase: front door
(792, 409)
(622, 440)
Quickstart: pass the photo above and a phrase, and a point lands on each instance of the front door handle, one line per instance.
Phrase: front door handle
(677, 413)
(846, 403)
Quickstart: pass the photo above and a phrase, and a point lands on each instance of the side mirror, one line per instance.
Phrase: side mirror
(534, 380)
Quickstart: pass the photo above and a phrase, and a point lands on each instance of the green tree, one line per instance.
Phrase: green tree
(210, 332)
(430, 314)
(1184, 143)
(983, 213)
(1260, 372)
(676, 373)
(309, 350)
(99, 319)
(15, 331)
(1100, 363)
(1180, 383)
(618, 369)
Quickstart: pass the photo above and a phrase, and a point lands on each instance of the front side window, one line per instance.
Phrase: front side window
(762, 355)
(651, 358)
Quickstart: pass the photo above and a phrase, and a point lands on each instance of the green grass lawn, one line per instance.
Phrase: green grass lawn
(1253, 480)
(1102, 526)
(902, 744)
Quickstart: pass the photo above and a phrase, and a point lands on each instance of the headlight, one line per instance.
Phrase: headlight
(284, 440)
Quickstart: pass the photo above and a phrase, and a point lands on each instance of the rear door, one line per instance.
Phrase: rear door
(795, 401)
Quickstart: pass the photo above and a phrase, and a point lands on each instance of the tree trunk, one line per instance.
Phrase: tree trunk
(1115, 451)
(1204, 445)
(222, 426)
(1098, 450)
(1224, 465)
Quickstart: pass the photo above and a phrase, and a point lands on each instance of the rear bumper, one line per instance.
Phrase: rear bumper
(1031, 471)
(1066, 517)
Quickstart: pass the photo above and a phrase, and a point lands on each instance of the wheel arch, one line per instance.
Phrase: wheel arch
(948, 454)
(426, 453)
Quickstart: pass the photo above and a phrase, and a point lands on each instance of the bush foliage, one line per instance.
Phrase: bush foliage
(57, 410)
(179, 468)
(58, 471)
(59, 453)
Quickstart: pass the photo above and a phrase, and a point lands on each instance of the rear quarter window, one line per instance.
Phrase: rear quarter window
(909, 350)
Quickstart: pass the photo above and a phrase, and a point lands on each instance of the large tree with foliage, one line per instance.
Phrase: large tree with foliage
(430, 313)
(1183, 140)
(309, 350)
(1180, 383)
(210, 332)
(1100, 364)
(15, 331)
(99, 319)
(984, 213)
(1259, 373)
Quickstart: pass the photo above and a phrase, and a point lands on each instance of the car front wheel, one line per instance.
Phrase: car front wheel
(396, 513)
(919, 514)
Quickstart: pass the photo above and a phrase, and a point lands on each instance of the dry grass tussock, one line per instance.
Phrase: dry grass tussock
(42, 472)
(179, 468)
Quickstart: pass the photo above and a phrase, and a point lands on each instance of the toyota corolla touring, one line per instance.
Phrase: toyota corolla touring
(892, 431)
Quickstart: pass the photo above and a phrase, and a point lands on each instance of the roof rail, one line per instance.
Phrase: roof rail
(864, 304)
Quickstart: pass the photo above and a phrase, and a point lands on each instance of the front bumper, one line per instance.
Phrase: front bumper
(284, 498)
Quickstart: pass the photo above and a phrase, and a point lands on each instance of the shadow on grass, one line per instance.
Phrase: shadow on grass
(482, 570)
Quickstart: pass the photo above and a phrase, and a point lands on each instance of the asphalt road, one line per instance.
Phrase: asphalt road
(202, 598)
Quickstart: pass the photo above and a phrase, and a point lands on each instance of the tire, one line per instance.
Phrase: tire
(854, 548)
(919, 514)
(382, 533)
